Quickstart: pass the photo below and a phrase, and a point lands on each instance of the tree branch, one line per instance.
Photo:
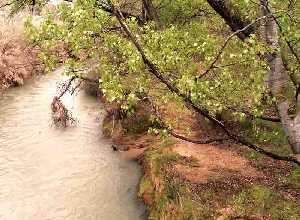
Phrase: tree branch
(70, 81)
(212, 65)
(292, 49)
(233, 19)
(156, 112)
(6, 4)
(107, 8)
(208, 141)
(66, 87)
(154, 70)
(297, 93)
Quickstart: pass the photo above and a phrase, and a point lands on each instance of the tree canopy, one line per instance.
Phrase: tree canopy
(235, 56)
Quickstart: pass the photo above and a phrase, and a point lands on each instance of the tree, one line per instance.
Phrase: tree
(186, 50)
(278, 79)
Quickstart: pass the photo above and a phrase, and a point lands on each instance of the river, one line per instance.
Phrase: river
(61, 174)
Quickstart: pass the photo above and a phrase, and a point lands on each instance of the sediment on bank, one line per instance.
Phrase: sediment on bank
(182, 180)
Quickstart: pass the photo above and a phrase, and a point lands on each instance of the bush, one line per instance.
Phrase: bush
(18, 60)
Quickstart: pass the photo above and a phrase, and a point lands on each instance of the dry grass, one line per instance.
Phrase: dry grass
(18, 60)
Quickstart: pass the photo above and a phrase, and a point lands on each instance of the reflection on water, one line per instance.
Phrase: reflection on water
(67, 174)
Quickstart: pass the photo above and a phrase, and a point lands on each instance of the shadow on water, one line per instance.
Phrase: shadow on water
(67, 174)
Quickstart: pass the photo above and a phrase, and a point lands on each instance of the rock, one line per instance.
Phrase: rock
(17, 81)
(119, 147)
(114, 147)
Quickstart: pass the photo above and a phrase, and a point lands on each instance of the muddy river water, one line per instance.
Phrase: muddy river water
(61, 174)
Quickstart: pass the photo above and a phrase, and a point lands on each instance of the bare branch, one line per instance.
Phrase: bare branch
(297, 93)
(208, 141)
(6, 4)
(66, 87)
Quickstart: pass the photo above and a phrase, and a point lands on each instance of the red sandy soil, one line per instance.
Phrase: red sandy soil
(213, 163)
(218, 164)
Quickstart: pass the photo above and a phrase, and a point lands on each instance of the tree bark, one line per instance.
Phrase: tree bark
(278, 80)
(231, 17)
(149, 11)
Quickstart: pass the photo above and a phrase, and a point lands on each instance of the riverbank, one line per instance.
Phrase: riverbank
(213, 181)
(18, 61)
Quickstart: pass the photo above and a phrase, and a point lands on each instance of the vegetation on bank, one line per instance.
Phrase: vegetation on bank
(170, 196)
(176, 186)
(18, 59)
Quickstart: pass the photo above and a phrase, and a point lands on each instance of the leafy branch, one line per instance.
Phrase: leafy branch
(212, 65)
(188, 102)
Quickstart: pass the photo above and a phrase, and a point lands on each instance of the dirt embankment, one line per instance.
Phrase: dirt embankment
(213, 181)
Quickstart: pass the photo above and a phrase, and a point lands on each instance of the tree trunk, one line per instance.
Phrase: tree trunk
(231, 17)
(278, 80)
(149, 11)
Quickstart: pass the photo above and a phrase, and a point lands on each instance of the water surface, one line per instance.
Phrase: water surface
(60, 174)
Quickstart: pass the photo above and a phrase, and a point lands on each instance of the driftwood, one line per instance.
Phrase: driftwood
(61, 116)
(60, 113)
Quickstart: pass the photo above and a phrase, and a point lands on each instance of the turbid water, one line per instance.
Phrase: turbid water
(61, 174)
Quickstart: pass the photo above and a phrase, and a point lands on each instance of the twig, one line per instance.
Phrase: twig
(225, 44)
(66, 88)
(76, 87)
(297, 93)
(6, 4)
(231, 64)
(208, 141)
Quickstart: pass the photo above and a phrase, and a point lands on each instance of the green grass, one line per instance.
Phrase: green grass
(268, 135)
(167, 142)
(174, 198)
(294, 178)
(264, 203)
(145, 184)
(171, 196)
(253, 155)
